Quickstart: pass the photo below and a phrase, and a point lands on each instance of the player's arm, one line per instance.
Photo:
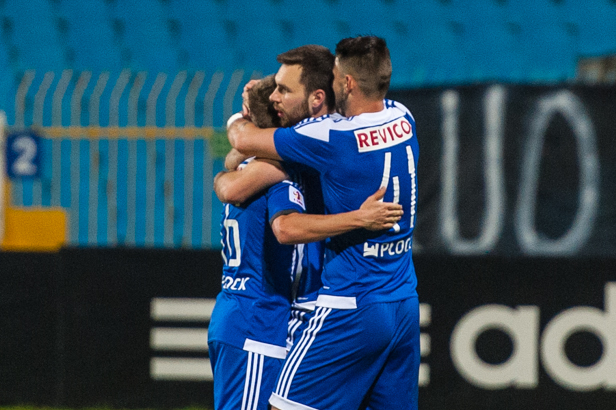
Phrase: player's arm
(251, 140)
(235, 187)
(233, 159)
(373, 215)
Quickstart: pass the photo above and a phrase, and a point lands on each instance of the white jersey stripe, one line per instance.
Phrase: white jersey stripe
(411, 159)
(255, 402)
(320, 325)
(293, 362)
(396, 190)
(255, 365)
(293, 356)
(294, 323)
(412, 172)
(252, 385)
(386, 170)
(247, 381)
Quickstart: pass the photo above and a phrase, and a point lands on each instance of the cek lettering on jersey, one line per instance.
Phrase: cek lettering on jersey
(234, 284)
(383, 136)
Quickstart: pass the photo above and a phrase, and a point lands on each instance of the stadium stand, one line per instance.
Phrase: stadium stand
(434, 41)
(171, 63)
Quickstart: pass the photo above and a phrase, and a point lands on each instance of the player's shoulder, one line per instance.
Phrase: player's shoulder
(392, 111)
(323, 120)
(397, 107)
(292, 181)
(291, 190)
(317, 127)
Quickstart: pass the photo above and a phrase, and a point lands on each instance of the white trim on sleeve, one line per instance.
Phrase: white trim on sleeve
(266, 349)
(337, 302)
(286, 404)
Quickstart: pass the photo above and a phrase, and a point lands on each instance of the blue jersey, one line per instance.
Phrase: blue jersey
(354, 157)
(308, 280)
(253, 308)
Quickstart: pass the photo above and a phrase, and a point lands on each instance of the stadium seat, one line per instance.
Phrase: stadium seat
(201, 36)
(34, 34)
(89, 35)
(596, 26)
(142, 27)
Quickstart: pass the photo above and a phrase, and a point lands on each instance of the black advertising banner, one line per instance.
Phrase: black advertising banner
(127, 328)
(28, 328)
(524, 333)
(515, 170)
(135, 326)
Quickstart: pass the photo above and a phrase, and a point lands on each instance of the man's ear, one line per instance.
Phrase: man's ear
(350, 83)
(317, 99)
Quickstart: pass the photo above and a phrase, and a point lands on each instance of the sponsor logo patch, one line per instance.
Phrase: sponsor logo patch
(383, 136)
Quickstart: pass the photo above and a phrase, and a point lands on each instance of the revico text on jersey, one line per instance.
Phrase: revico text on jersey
(383, 136)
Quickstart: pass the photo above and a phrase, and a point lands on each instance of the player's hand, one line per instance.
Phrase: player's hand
(377, 215)
(233, 159)
(245, 106)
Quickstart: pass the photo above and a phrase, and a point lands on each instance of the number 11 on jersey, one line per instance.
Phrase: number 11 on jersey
(396, 182)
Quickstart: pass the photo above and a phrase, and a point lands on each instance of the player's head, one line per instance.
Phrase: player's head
(262, 112)
(304, 84)
(366, 59)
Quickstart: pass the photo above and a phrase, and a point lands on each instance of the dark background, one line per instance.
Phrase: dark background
(75, 325)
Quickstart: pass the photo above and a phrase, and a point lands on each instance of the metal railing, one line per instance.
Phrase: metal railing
(132, 161)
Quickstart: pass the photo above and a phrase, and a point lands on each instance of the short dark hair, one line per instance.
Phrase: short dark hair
(262, 112)
(367, 59)
(317, 64)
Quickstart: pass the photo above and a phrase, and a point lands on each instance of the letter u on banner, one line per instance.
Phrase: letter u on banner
(492, 224)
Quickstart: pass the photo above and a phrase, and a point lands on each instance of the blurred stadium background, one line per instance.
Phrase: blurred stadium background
(128, 95)
(114, 113)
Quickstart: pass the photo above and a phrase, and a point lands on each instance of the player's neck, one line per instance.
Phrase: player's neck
(322, 111)
(363, 106)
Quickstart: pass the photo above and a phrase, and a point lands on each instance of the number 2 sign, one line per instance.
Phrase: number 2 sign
(23, 158)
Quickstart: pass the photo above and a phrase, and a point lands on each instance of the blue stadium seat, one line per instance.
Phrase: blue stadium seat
(201, 35)
(90, 36)
(34, 34)
(596, 26)
(143, 31)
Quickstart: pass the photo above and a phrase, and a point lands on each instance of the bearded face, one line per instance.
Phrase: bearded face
(289, 97)
(293, 112)
(341, 99)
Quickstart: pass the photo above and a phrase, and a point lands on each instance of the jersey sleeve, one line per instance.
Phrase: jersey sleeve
(283, 198)
(305, 144)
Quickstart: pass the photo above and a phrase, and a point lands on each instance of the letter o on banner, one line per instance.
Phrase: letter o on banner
(522, 326)
(593, 320)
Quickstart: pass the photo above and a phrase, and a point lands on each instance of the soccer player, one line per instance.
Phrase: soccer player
(360, 347)
(248, 329)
